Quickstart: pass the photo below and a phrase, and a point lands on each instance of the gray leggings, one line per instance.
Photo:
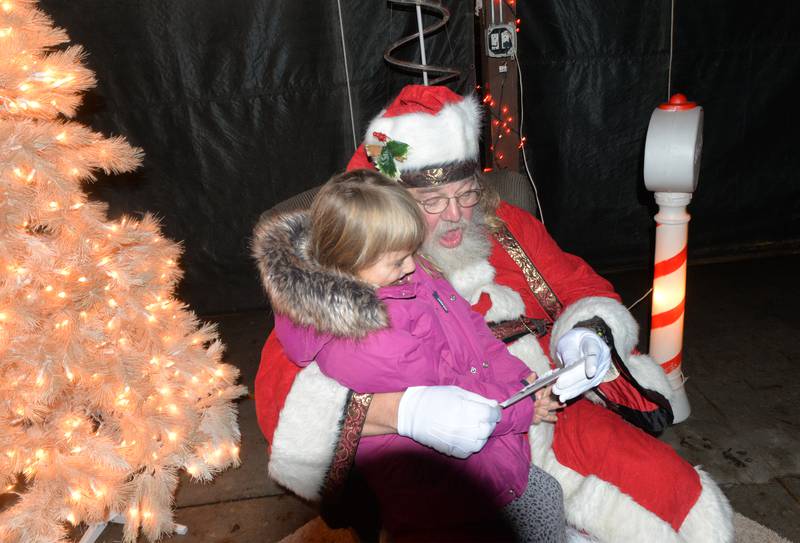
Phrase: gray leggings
(538, 515)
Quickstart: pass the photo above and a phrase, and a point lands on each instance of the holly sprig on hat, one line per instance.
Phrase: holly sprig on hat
(387, 155)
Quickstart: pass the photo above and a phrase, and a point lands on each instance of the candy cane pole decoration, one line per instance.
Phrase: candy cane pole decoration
(671, 165)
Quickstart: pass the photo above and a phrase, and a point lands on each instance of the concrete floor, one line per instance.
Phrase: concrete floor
(740, 347)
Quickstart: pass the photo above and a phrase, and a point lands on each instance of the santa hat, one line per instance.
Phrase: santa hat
(426, 136)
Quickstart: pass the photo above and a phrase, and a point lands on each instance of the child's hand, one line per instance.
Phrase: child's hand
(546, 405)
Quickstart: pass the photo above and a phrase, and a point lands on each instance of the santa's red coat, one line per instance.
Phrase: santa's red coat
(589, 439)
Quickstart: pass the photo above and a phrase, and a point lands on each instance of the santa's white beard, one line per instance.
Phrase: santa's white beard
(474, 247)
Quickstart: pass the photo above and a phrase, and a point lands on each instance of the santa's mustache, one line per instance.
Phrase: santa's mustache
(474, 246)
(444, 227)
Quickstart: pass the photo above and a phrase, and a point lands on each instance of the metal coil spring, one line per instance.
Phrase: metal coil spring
(444, 13)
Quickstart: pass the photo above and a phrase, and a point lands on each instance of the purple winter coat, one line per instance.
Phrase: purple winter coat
(427, 344)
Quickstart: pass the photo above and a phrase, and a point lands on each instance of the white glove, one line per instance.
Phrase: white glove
(576, 344)
(451, 420)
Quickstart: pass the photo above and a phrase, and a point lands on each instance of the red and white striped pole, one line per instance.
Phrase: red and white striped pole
(671, 166)
(669, 293)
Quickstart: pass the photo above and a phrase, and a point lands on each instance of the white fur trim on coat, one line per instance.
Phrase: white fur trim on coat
(604, 512)
(478, 278)
(596, 506)
(616, 316)
(649, 374)
(469, 280)
(711, 518)
(506, 303)
(626, 334)
(307, 433)
(449, 136)
(528, 350)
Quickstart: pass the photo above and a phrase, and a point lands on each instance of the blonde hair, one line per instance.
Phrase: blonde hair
(360, 215)
(490, 200)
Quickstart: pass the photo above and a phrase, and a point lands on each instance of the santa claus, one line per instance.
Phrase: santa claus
(620, 483)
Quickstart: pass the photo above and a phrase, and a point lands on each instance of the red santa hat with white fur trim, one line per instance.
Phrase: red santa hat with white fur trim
(427, 136)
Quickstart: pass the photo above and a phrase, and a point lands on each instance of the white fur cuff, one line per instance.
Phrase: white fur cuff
(307, 433)
(649, 374)
(616, 316)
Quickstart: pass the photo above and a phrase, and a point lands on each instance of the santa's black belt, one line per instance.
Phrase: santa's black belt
(510, 330)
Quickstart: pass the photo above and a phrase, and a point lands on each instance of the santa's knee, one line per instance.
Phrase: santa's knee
(711, 517)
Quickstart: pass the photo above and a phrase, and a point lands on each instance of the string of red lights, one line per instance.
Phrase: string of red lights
(503, 123)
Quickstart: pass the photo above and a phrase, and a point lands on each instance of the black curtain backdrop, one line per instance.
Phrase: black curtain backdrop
(594, 71)
(239, 105)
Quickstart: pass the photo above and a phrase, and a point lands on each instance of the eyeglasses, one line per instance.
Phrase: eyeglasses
(438, 204)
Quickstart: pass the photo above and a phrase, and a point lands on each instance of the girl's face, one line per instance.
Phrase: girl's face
(390, 268)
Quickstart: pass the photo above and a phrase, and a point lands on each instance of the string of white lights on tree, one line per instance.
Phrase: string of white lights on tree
(108, 384)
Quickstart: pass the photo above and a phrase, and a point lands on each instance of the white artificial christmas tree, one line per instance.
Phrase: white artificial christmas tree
(108, 385)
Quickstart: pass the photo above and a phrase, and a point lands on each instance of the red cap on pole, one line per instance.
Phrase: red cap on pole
(678, 102)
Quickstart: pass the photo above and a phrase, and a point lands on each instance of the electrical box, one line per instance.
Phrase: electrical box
(501, 40)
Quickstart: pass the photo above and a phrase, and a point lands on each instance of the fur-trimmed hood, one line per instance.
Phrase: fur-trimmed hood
(308, 294)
